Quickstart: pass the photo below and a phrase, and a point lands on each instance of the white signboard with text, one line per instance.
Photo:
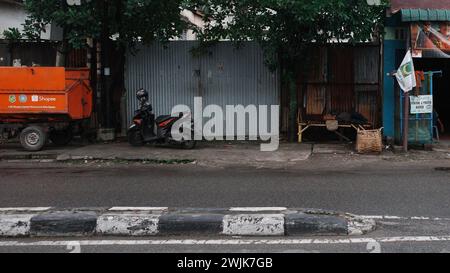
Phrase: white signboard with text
(422, 104)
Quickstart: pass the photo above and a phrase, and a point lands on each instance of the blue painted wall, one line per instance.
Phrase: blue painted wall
(390, 45)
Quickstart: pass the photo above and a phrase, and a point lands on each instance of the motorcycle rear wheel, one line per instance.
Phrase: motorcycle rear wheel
(189, 145)
(135, 138)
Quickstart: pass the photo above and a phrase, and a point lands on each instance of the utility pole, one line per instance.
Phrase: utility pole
(406, 121)
(406, 102)
(106, 65)
(98, 80)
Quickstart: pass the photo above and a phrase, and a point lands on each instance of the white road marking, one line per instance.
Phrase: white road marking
(137, 208)
(393, 217)
(256, 209)
(390, 217)
(232, 241)
(25, 209)
(371, 216)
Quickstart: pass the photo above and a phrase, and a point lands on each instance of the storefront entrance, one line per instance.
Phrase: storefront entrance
(441, 91)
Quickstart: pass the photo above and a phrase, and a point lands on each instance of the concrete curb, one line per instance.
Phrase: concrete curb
(64, 158)
(29, 156)
(162, 221)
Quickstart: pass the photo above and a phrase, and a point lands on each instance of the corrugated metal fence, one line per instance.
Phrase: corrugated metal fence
(223, 76)
(342, 79)
(4, 54)
(42, 53)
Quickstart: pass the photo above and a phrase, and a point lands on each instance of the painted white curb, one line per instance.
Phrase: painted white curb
(14, 225)
(254, 224)
(132, 224)
(360, 225)
(148, 221)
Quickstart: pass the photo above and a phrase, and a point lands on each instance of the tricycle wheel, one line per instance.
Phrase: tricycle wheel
(135, 138)
(61, 137)
(33, 138)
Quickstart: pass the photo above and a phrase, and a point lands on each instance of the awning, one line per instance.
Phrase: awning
(431, 15)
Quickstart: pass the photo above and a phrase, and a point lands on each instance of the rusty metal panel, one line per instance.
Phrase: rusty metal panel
(77, 58)
(367, 64)
(341, 97)
(341, 65)
(40, 53)
(350, 70)
(367, 102)
(4, 54)
(318, 72)
(315, 99)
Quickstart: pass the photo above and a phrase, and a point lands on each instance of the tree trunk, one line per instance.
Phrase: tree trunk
(293, 104)
(61, 54)
(61, 50)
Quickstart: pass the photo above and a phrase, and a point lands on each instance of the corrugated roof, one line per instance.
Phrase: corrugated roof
(397, 5)
(432, 15)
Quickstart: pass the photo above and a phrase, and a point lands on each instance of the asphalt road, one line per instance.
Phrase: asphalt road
(403, 190)
(387, 189)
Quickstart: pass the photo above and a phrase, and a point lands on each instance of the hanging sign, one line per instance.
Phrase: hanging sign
(430, 40)
(421, 104)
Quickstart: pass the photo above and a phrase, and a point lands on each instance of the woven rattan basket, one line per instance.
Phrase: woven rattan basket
(369, 141)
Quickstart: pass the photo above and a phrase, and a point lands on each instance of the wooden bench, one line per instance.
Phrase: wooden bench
(303, 126)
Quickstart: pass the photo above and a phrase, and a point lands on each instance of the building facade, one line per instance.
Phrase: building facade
(13, 15)
(423, 27)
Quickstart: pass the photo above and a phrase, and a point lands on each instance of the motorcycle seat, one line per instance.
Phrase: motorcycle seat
(163, 118)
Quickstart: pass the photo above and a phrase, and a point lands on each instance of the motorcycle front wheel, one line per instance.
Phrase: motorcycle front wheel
(189, 145)
(135, 138)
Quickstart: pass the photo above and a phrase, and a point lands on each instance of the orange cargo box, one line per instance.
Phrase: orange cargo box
(45, 91)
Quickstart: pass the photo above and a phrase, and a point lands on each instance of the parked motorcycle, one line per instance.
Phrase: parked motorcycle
(142, 131)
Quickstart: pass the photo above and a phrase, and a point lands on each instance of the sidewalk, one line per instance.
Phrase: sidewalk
(208, 154)
(215, 154)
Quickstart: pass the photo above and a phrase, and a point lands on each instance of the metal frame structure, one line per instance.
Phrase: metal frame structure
(416, 119)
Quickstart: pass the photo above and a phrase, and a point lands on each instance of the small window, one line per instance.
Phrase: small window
(400, 34)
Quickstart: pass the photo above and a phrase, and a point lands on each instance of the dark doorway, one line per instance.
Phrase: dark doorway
(441, 89)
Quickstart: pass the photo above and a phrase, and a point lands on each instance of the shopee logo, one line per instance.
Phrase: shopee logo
(41, 98)
(36, 98)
